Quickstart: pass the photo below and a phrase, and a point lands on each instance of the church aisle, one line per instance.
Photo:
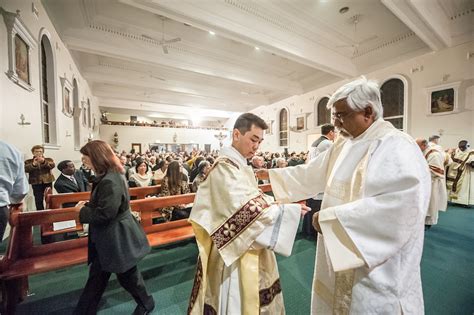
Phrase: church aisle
(447, 276)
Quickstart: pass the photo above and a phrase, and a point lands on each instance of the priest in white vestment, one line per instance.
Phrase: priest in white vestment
(460, 176)
(237, 230)
(434, 144)
(376, 187)
(439, 199)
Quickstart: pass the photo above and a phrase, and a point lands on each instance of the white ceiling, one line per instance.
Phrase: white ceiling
(302, 45)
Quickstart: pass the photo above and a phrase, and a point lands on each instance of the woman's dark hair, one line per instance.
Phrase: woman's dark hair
(160, 164)
(202, 166)
(140, 162)
(102, 157)
(174, 175)
(198, 160)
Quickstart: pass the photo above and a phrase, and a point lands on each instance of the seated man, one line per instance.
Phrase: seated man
(70, 180)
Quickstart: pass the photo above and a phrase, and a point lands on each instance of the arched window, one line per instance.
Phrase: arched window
(48, 98)
(323, 114)
(77, 115)
(393, 101)
(283, 130)
(84, 113)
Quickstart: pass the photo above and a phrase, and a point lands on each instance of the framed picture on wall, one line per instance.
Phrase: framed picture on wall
(22, 65)
(443, 99)
(67, 97)
(269, 130)
(300, 123)
(137, 147)
(20, 44)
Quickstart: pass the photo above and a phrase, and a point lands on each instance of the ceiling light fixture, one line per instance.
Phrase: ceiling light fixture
(257, 48)
(343, 10)
(212, 33)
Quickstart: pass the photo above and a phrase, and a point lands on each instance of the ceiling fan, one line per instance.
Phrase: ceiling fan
(163, 42)
(355, 47)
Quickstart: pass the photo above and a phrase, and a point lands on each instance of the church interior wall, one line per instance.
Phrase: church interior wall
(15, 100)
(148, 135)
(433, 69)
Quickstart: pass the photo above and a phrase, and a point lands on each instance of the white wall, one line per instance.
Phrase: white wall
(15, 100)
(450, 63)
(147, 135)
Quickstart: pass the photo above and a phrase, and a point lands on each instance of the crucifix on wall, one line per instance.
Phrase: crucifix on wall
(221, 138)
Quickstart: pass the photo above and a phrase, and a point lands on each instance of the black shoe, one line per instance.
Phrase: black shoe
(141, 310)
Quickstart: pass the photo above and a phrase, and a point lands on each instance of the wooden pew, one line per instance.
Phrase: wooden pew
(56, 201)
(23, 258)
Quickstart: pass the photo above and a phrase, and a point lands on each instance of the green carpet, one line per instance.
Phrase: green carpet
(447, 275)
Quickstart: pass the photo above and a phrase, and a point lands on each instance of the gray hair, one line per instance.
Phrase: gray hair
(278, 161)
(358, 94)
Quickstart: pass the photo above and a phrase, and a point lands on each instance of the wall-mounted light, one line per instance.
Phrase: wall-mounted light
(22, 121)
(416, 69)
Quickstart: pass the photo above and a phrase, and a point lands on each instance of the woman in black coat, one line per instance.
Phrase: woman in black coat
(116, 240)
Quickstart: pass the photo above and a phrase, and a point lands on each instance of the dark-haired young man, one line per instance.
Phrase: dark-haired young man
(237, 229)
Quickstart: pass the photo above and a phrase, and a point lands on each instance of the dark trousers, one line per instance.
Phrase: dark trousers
(308, 228)
(179, 214)
(38, 192)
(131, 280)
(4, 215)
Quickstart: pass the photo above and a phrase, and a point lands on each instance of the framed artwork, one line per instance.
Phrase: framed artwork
(22, 66)
(300, 123)
(269, 130)
(137, 147)
(443, 99)
(20, 44)
(67, 97)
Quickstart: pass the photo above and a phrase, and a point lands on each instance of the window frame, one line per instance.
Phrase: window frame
(405, 100)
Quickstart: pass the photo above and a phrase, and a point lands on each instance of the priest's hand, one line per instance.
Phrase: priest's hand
(262, 174)
(304, 209)
(316, 225)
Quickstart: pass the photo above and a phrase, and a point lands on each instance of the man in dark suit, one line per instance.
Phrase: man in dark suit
(70, 180)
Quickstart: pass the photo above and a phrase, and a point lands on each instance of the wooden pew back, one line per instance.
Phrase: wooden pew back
(56, 201)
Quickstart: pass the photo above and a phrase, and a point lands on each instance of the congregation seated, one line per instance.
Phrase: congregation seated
(159, 172)
(194, 170)
(203, 169)
(175, 183)
(87, 172)
(280, 163)
(142, 176)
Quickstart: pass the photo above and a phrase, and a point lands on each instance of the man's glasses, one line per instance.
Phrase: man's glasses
(342, 115)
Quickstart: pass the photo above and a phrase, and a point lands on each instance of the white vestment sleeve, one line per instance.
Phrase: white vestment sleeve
(300, 182)
(280, 236)
(393, 207)
(342, 251)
